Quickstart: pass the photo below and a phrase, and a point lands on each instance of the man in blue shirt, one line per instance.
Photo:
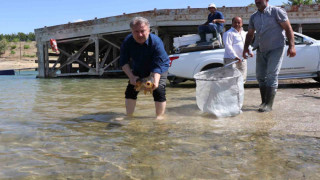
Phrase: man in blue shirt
(213, 25)
(146, 54)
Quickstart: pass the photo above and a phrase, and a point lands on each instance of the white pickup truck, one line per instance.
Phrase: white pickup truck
(306, 64)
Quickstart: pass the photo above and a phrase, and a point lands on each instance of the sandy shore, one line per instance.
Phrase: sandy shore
(17, 64)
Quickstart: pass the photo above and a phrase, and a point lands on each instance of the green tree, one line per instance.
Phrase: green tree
(22, 36)
(300, 2)
(16, 39)
(3, 46)
(31, 36)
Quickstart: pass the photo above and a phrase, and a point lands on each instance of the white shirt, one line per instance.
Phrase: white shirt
(234, 43)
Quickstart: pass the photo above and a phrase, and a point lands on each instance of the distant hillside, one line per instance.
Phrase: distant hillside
(20, 50)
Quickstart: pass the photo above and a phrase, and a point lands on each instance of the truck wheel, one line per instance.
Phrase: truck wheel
(173, 82)
(317, 78)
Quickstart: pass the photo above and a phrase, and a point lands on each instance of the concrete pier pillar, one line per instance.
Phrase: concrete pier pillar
(300, 28)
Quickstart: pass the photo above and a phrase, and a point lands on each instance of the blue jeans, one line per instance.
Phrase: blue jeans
(210, 28)
(268, 67)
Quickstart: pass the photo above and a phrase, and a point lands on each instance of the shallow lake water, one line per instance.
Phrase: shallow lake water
(74, 129)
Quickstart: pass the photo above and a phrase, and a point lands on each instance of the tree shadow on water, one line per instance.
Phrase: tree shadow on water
(185, 110)
(193, 98)
(249, 108)
(309, 96)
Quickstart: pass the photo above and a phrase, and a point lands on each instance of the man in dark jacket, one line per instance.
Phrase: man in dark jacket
(147, 56)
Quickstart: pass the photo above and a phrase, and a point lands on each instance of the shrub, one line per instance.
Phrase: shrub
(15, 40)
(12, 52)
(26, 46)
(30, 56)
(13, 46)
(3, 46)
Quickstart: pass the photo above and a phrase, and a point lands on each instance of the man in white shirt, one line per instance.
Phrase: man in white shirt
(234, 40)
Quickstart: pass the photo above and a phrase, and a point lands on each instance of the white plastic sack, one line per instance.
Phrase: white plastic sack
(220, 91)
(188, 39)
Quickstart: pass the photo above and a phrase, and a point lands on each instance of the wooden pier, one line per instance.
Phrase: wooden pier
(92, 48)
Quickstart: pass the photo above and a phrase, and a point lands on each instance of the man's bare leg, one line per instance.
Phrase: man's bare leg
(160, 109)
(130, 106)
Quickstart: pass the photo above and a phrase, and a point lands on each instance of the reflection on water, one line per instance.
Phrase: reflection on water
(74, 128)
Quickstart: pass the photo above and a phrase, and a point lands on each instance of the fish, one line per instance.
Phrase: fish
(145, 84)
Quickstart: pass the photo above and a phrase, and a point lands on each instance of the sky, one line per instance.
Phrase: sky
(27, 15)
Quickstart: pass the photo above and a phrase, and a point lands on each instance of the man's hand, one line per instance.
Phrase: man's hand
(155, 85)
(133, 79)
(239, 60)
(249, 38)
(156, 77)
(291, 52)
(245, 53)
(290, 36)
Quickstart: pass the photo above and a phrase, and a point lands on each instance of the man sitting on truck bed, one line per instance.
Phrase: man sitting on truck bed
(213, 25)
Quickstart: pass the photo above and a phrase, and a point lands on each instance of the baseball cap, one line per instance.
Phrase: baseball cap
(212, 5)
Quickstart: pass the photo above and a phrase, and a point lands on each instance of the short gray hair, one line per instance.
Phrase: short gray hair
(139, 20)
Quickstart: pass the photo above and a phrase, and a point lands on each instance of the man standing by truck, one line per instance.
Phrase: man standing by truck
(213, 25)
(234, 43)
(146, 54)
(269, 22)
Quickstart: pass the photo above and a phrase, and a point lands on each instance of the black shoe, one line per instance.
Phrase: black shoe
(202, 38)
(270, 94)
(263, 96)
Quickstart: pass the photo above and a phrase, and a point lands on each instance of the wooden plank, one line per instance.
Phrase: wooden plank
(50, 61)
(110, 42)
(96, 41)
(111, 62)
(72, 74)
(74, 56)
(73, 39)
(114, 54)
(46, 59)
(40, 55)
(105, 56)
(54, 54)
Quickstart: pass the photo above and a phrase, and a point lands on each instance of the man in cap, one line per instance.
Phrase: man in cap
(213, 25)
(270, 23)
